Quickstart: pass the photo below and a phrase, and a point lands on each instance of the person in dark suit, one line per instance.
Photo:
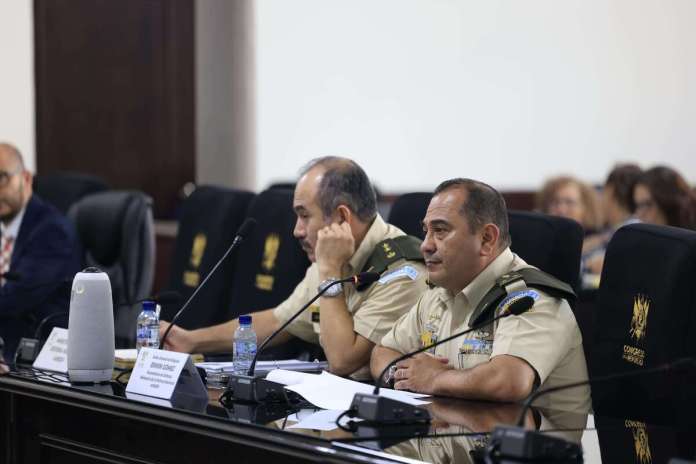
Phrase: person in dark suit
(39, 254)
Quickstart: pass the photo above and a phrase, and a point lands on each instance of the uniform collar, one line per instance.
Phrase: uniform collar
(11, 230)
(375, 234)
(483, 282)
(478, 287)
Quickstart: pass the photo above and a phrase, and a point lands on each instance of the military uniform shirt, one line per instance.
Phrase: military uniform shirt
(547, 336)
(374, 309)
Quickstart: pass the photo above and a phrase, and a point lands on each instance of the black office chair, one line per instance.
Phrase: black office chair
(645, 318)
(63, 188)
(117, 234)
(273, 262)
(408, 211)
(551, 243)
(210, 218)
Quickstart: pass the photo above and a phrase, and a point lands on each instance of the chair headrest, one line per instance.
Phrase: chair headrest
(99, 218)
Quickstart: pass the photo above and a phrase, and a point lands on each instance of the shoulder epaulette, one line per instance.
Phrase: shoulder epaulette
(530, 277)
(391, 250)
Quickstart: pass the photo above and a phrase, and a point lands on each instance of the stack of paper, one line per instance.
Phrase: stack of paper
(328, 391)
(264, 367)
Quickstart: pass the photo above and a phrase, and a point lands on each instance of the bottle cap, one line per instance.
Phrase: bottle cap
(245, 320)
(149, 305)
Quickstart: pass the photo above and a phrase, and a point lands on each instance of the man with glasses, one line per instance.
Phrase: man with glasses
(39, 254)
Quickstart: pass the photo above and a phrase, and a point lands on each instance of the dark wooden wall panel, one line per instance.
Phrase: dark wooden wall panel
(115, 92)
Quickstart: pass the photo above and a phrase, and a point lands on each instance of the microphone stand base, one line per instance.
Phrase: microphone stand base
(383, 410)
(523, 444)
(255, 389)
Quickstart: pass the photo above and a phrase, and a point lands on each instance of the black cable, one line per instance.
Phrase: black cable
(346, 413)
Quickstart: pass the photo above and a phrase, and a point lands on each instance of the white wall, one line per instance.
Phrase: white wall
(505, 91)
(17, 77)
(225, 93)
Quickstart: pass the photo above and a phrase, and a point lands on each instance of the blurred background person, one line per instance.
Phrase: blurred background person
(663, 197)
(569, 197)
(619, 209)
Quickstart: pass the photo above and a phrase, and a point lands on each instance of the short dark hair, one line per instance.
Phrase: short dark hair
(483, 205)
(623, 179)
(344, 183)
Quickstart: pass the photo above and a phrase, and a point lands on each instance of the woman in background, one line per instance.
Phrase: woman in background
(571, 198)
(663, 197)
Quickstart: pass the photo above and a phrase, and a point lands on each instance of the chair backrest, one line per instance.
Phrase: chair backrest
(62, 189)
(645, 318)
(551, 243)
(273, 263)
(116, 229)
(210, 218)
(408, 211)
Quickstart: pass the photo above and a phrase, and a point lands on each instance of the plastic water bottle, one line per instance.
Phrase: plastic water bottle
(244, 345)
(148, 327)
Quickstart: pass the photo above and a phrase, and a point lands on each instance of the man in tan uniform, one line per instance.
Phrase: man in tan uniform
(466, 249)
(341, 232)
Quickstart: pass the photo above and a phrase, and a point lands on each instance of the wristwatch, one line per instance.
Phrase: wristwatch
(334, 290)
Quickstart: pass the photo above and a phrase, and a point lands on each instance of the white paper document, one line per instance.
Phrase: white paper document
(319, 420)
(328, 391)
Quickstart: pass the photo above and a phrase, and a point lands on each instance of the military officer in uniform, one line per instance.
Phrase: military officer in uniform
(341, 232)
(467, 255)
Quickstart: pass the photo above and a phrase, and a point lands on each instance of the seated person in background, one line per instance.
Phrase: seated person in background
(663, 197)
(571, 198)
(342, 234)
(38, 249)
(466, 249)
(619, 209)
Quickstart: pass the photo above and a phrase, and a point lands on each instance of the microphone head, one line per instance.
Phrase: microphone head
(520, 305)
(366, 278)
(247, 226)
(167, 297)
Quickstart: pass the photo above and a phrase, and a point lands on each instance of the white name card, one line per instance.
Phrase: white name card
(54, 354)
(165, 375)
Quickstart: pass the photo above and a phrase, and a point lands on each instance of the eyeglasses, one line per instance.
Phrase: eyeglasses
(6, 176)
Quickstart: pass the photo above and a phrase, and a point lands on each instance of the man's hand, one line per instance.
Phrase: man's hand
(418, 372)
(178, 339)
(335, 245)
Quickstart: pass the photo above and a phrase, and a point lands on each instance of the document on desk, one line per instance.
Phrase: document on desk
(324, 419)
(328, 391)
(267, 366)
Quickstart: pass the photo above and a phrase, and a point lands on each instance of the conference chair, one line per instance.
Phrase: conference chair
(551, 243)
(408, 211)
(63, 188)
(270, 263)
(645, 318)
(210, 219)
(117, 235)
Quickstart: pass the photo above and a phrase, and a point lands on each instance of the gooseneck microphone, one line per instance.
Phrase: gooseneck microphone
(242, 233)
(516, 442)
(248, 387)
(380, 409)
